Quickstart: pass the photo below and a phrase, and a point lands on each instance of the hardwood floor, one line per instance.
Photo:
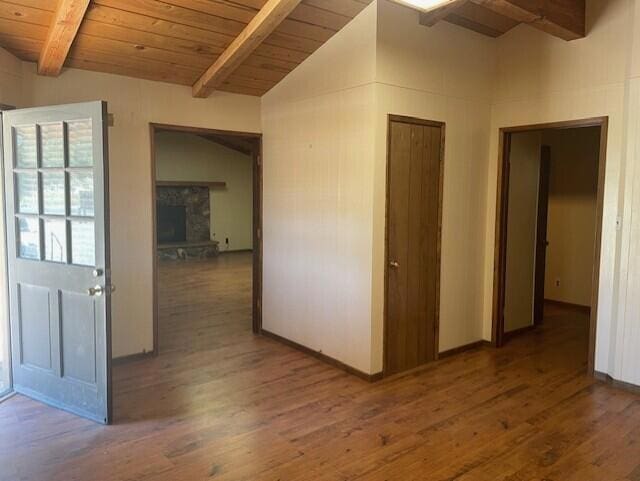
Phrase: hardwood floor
(219, 403)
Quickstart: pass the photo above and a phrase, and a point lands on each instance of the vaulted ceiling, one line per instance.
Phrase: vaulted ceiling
(176, 41)
(241, 46)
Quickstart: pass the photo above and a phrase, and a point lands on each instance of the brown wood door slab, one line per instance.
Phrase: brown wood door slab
(413, 243)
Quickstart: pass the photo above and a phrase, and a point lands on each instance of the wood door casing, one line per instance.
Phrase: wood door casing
(541, 234)
(414, 199)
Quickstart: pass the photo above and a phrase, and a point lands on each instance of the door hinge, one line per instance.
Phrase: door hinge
(258, 160)
(259, 233)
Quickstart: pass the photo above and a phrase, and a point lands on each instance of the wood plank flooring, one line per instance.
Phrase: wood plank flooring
(219, 403)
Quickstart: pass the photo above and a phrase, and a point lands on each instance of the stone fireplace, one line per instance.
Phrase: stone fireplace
(184, 222)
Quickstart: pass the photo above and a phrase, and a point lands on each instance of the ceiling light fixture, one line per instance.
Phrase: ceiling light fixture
(424, 5)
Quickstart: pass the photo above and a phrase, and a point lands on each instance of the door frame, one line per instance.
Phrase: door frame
(429, 123)
(257, 218)
(5, 241)
(502, 207)
(542, 243)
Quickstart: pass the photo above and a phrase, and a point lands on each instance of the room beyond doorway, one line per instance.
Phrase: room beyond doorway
(548, 224)
(207, 199)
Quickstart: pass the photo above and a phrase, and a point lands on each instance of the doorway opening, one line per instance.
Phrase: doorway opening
(413, 232)
(207, 256)
(548, 232)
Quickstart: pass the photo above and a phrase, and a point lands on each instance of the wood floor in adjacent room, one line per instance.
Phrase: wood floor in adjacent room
(221, 404)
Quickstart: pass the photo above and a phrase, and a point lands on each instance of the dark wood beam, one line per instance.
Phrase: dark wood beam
(62, 31)
(258, 29)
(482, 20)
(565, 19)
(429, 19)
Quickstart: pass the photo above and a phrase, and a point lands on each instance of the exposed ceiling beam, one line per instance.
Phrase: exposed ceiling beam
(563, 18)
(432, 17)
(481, 20)
(258, 29)
(62, 31)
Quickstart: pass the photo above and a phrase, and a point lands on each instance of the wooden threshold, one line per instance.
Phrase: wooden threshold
(460, 349)
(141, 356)
(606, 378)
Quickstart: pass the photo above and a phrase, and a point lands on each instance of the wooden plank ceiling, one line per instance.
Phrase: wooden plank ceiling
(175, 41)
(565, 19)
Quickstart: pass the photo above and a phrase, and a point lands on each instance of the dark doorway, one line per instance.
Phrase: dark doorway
(197, 252)
(507, 230)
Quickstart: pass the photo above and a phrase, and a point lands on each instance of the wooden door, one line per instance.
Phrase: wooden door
(55, 170)
(541, 234)
(415, 168)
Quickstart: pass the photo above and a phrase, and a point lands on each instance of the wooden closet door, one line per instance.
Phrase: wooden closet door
(413, 232)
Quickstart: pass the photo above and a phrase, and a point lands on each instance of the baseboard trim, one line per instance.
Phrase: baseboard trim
(606, 378)
(518, 332)
(322, 357)
(7, 396)
(569, 305)
(461, 349)
(141, 356)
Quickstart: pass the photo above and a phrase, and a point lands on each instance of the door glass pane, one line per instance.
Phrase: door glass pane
(53, 193)
(26, 147)
(80, 143)
(27, 192)
(83, 243)
(55, 240)
(52, 140)
(29, 237)
(81, 195)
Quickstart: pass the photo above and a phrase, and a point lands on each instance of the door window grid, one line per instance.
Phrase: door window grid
(54, 192)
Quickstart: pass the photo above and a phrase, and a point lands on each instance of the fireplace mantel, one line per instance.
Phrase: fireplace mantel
(189, 183)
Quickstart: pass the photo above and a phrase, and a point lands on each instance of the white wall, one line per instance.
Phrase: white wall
(134, 103)
(522, 219)
(187, 157)
(318, 127)
(571, 226)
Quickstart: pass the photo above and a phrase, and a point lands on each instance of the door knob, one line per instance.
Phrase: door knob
(394, 264)
(97, 291)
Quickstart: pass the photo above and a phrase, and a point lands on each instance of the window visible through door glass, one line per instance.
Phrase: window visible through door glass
(52, 141)
(55, 192)
(27, 192)
(80, 143)
(55, 240)
(29, 237)
(83, 243)
(26, 147)
(81, 184)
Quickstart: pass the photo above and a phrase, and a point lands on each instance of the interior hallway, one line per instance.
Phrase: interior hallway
(219, 403)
